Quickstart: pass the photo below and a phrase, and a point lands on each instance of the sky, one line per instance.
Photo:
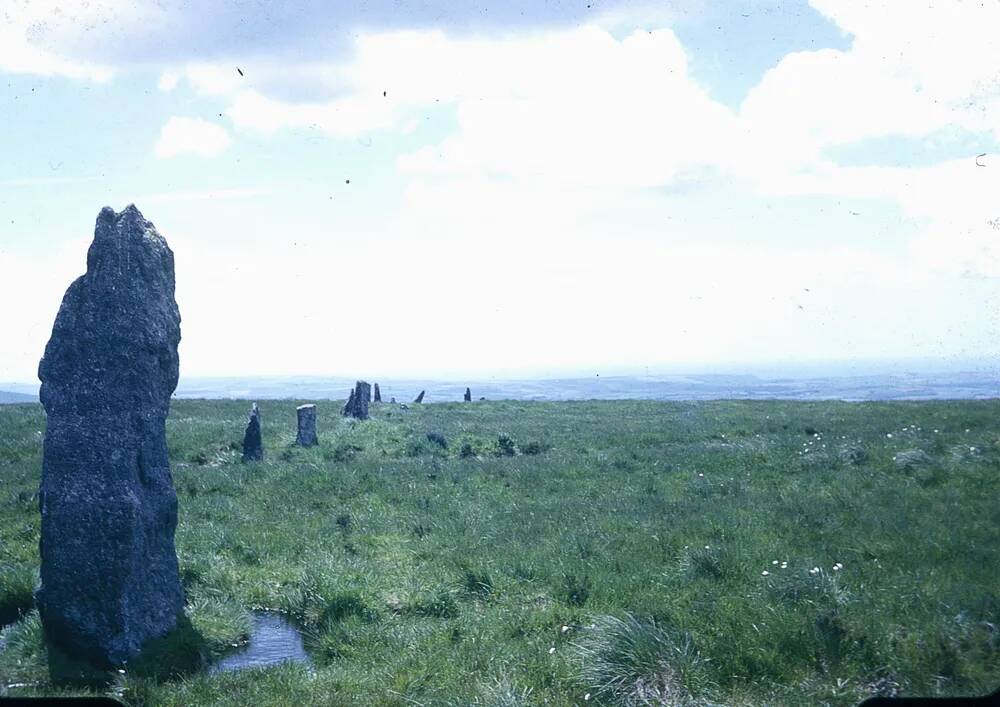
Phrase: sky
(421, 188)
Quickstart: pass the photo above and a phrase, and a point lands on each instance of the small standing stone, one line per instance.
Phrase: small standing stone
(468, 395)
(420, 398)
(253, 446)
(378, 394)
(357, 402)
(306, 436)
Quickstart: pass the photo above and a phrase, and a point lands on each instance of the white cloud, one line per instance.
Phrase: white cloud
(168, 80)
(30, 34)
(564, 105)
(191, 136)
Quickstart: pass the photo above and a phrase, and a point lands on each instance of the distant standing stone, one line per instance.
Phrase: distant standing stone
(420, 398)
(468, 395)
(109, 575)
(253, 446)
(306, 436)
(357, 402)
(378, 394)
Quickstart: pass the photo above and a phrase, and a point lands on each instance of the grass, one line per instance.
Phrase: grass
(638, 552)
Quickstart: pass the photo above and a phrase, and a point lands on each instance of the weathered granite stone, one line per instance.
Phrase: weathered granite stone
(419, 398)
(253, 446)
(357, 402)
(468, 395)
(306, 436)
(852, 454)
(109, 576)
(911, 459)
(378, 394)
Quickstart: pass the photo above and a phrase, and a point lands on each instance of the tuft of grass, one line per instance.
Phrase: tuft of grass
(706, 562)
(505, 446)
(631, 661)
(440, 604)
(438, 439)
(575, 589)
(534, 448)
(503, 692)
(17, 586)
(477, 582)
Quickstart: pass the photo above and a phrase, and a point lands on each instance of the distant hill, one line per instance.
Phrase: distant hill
(6, 398)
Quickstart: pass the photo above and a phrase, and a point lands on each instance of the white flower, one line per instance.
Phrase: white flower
(774, 562)
(814, 570)
(586, 697)
(565, 629)
(889, 435)
(784, 565)
(707, 547)
(837, 567)
(701, 476)
(764, 573)
(972, 449)
(552, 650)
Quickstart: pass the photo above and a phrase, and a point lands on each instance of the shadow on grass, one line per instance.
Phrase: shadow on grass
(181, 652)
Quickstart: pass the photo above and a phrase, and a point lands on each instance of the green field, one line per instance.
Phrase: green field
(635, 552)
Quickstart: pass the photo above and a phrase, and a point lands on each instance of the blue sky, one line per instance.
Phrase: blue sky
(526, 188)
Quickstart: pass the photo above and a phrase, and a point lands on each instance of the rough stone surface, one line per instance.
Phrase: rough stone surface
(419, 398)
(378, 394)
(357, 402)
(253, 445)
(109, 576)
(852, 455)
(306, 436)
(910, 459)
(468, 395)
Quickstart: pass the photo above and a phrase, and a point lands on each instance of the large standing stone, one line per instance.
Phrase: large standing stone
(253, 445)
(419, 398)
(357, 403)
(468, 395)
(306, 436)
(378, 394)
(109, 576)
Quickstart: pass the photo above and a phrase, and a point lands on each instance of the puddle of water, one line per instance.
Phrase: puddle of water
(273, 639)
